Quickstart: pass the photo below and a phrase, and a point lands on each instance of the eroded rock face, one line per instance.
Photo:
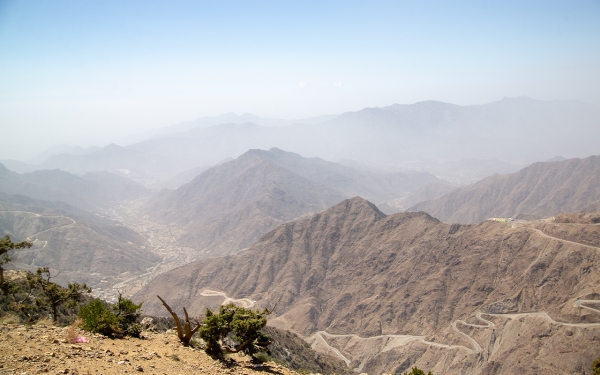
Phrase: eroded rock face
(353, 270)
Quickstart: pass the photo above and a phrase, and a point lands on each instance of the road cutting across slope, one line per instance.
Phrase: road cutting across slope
(405, 339)
(539, 232)
(243, 302)
(28, 238)
(320, 338)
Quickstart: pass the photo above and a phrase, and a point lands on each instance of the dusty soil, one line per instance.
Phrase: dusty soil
(44, 349)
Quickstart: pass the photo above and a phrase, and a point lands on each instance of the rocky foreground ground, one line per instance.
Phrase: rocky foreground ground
(43, 349)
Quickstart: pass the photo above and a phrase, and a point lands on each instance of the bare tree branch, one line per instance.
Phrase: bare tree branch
(185, 334)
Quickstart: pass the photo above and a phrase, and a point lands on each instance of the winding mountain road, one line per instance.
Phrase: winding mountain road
(405, 339)
(488, 324)
(539, 232)
(28, 238)
(243, 302)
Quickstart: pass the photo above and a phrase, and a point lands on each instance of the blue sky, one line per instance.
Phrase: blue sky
(87, 72)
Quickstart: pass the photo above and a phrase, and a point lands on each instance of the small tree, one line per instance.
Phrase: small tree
(416, 371)
(116, 320)
(128, 314)
(97, 317)
(53, 295)
(5, 246)
(596, 366)
(214, 328)
(245, 324)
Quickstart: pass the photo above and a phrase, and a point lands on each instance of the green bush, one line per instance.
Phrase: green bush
(135, 330)
(416, 371)
(97, 317)
(112, 320)
(51, 296)
(262, 357)
(31, 298)
(596, 366)
(128, 315)
(245, 324)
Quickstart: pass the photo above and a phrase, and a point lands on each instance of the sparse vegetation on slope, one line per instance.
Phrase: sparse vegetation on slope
(416, 371)
(84, 246)
(28, 300)
(7, 245)
(51, 295)
(44, 349)
(112, 320)
(352, 271)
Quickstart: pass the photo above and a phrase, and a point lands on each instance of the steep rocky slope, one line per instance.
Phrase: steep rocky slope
(540, 190)
(228, 207)
(84, 247)
(353, 270)
(91, 191)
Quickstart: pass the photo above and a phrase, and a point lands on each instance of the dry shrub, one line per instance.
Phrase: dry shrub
(10, 318)
(72, 331)
(45, 322)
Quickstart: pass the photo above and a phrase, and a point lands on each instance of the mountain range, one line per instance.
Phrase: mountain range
(91, 191)
(539, 190)
(496, 277)
(82, 246)
(228, 207)
(410, 288)
(518, 130)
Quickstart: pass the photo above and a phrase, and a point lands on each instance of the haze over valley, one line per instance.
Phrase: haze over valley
(399, 184)
(361, 281)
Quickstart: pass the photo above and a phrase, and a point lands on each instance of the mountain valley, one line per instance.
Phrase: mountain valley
(228, 207)
(385, 259)
(353, 270)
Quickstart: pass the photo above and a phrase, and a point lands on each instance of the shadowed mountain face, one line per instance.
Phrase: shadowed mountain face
(353, 270)
(91, 191)
(542, 189)
(84, 247)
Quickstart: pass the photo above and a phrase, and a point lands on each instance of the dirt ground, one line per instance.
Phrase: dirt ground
(44, 349)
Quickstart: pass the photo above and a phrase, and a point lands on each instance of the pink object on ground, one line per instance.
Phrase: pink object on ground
(81, 339)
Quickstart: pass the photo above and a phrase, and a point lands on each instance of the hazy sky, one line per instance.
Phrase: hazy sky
(85, 72)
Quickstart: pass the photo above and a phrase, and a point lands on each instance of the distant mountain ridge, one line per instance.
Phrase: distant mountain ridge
(90, 191)
(516, 130)
(232, 118)
(540, 190)
(376, 187)
(228, 207)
